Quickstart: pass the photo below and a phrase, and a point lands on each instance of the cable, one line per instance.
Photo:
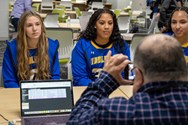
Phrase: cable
(4, 118)
(9, 123)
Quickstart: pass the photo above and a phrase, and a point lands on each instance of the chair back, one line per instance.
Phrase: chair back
(51, 20)
(97, 5)
(78, 12)
(84, 19)
(117, 12)
(123, 23)
(65, 38)
(36, 7)
(87, 13)
(136, 39)
(61, 13)
(47, 5)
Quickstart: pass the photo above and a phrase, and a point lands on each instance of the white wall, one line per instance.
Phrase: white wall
(4, 21)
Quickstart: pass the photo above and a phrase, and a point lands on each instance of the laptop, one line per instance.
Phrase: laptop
(46, 102)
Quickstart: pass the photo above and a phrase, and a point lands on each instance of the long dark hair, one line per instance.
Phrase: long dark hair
(115, 38)
(170, 19)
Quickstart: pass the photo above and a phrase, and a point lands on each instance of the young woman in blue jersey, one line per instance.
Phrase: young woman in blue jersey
(101, 35)
(31, 55)
(178, 24)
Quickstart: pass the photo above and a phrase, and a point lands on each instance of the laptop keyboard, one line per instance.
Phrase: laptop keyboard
(45, 120)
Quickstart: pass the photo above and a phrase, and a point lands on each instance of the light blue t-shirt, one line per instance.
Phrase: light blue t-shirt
(20, 6)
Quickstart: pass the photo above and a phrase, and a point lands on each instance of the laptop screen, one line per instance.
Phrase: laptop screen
(46, 97)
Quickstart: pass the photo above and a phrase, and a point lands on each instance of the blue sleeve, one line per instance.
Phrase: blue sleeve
(79, 66)
(127, 50)
(127, 53)
(9, 71)
(55, 73)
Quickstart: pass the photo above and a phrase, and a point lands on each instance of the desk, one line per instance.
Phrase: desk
(81, 5)
(74, 26)
(123, 13)
(10, 101)
(9, 105)
(68, 12)
(127, 90)
(43, 15)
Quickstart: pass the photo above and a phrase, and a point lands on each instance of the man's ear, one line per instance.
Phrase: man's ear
(138, 80)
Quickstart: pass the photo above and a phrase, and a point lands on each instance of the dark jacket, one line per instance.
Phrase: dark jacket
(165, 11)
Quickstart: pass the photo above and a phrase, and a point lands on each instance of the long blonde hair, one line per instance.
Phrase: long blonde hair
(43, 66)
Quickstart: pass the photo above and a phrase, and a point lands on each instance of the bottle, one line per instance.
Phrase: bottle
(68, 21)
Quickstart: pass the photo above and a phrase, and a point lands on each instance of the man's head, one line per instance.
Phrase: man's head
(159, 58)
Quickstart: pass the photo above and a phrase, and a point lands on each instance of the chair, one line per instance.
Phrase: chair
(61, 13)
(47, 5)
(123, 22)
(136, 39)
(117, 12)
(97, 5)
(84, 19)
(36, 7)
(78, 12)
(67, 4)
(65, 38)
(87, 13)
(51, 20)
(12, 2)
(60, 7)
(10, 7)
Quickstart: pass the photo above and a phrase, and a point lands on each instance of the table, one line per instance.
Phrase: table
(67, 12)
(127, 90)
(74, 26)
(10, 101)
(9, 104)
(81, 5)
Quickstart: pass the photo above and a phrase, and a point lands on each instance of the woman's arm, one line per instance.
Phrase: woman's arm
(80, 71)
(55, 71)
(8, 70)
